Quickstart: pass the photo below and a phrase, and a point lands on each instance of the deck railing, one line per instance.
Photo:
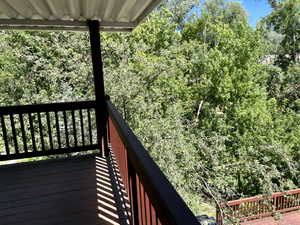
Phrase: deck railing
(47, 129)
(260, 206)
(152, 198)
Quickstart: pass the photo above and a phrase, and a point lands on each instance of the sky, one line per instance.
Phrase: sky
(256, 9)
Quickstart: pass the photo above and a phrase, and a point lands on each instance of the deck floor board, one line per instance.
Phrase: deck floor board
(59, 192)
(291, 218)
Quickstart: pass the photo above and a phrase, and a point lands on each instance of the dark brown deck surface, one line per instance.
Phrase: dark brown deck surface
(74, 191)
(291, 218)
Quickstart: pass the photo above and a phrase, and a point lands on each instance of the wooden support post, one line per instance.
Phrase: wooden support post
(101, 111)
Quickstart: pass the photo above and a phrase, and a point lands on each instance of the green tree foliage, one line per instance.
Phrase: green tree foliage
(285, 20)
(37, 67)
(180, 10)
(282, 30)
(214, 11)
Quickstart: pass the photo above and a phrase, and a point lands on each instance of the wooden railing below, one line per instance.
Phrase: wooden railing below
(259, 206)
(47, 129)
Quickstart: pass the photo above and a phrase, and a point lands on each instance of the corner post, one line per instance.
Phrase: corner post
(101, 109)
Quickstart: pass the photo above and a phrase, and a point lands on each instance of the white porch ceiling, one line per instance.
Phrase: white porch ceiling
(119, 15)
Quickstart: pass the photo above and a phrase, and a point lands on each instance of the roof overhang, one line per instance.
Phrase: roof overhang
(114, 15)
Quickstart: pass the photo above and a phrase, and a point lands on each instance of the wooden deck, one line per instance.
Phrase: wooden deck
(291, 218)
(71, 191)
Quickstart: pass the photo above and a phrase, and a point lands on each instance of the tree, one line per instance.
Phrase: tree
(179, 9)
(39, 67)
(236, 113)
(285, 20)
(214, 11)
(226, 11)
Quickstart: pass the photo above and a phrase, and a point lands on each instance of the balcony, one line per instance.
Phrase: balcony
(106, 180)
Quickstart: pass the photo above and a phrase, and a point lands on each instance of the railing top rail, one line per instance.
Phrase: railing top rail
(51, 107)
(262, 197)
(172, 207)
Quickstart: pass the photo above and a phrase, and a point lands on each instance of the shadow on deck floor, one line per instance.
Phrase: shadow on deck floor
(85, 190)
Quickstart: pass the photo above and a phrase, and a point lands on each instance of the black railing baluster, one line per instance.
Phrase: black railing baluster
(82, 127)
(4, 132)
(57, 130)
(90, 126)
(74, 128)
(23, 132)
(14, 133)
(32, 132)
(39, 122)
(133, 194)
(66, 129)
(41, 131)
(49, 131)
(142, 196)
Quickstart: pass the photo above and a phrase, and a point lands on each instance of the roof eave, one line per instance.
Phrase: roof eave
(70, 25)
